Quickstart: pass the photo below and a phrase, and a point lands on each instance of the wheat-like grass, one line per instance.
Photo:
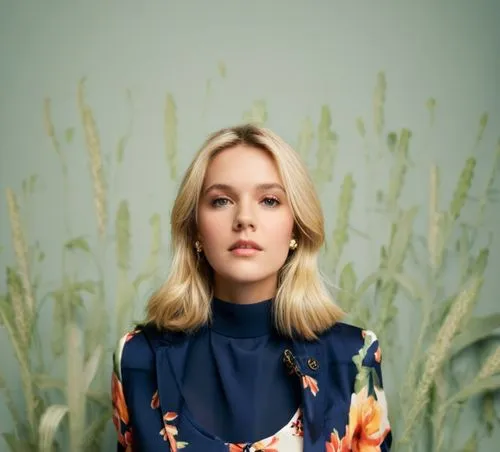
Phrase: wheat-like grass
(257, 113)
(340, 233)
(327, 147)
(433, 227)
(20, 313)
(438, 352)
(170, 131)
(483, 122)
(122, 231)
(463, 187)
(495, 168)
(306, 138)
(49, 424)
(398, 171)
(491, 365)
(95, 158)
(49, 127)
(378, 103)
(21, 252)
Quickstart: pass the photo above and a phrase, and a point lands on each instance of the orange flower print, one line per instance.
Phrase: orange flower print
(267, 445)
(264, 446)
(378, 355)
(169, 432)
(368, 422)
(336, 444)
(130, 335)
(297, 426)
(155, 401)
(311, 383)
(120, 413)
(118, 399)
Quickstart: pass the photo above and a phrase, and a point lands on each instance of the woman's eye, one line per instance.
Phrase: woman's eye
(270, 202)
(220, 202)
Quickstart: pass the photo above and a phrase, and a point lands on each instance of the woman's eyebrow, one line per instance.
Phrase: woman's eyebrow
(226, 187)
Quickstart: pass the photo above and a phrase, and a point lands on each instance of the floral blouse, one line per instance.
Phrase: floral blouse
(342, 405)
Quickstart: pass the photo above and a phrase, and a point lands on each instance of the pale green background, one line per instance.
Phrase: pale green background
(295, 55)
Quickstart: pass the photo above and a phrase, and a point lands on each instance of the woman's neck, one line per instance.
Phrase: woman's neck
(244, 293)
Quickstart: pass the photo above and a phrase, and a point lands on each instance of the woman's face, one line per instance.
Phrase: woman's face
(245, 223)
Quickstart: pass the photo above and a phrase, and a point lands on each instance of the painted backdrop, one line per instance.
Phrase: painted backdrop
(395, 107)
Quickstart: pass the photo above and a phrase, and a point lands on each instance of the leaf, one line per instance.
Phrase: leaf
(69, 133)
(306, 137)
(475, 388)
(120, 149)
(401, 239)
(17, 445)
(488, 413)
(257, 113)
(483, 122)
(221, 66)
(471, 444)
(360, 127)
(49, 425)
(347, 282)
(392, 141)
(477, 329)
(410, 285)
(327, 151)
(122, 227)
(91, 367)
(78, 243)
(95, 430)
(44, 382)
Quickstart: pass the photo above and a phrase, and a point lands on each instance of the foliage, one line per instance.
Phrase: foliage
(66, 403)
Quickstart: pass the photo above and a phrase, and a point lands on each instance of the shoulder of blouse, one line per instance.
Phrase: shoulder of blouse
(344, 341)
(133, 351)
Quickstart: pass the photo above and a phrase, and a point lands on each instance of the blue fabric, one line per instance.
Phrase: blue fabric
(226, 386)
(235, 369)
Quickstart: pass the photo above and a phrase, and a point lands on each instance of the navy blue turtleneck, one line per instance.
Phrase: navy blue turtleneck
(235, 385)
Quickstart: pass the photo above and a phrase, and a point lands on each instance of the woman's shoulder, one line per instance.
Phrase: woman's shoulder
(133, 351)
(345, 341)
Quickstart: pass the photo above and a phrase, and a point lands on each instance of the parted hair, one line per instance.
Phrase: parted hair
(302, 306)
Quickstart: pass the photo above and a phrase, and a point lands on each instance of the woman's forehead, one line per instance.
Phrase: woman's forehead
(242, 166)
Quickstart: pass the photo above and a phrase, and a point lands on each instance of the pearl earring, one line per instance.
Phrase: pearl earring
(293, 244)
(198, 246)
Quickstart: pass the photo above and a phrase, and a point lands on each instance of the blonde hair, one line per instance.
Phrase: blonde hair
(302, 305)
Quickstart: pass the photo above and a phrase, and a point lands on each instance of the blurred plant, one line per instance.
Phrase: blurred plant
(66, 402)
(432, 393)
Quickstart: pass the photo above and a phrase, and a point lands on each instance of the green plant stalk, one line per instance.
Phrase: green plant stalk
(170, 131)
(327, 148)
(21, 252)
(51, 133)
(398, 172)
(462, 305)
(306, 138)
(489, 185)
(22, 357)
(95, 158)
(74, 392)
(463, 188)
(257, 114)
(340, 233)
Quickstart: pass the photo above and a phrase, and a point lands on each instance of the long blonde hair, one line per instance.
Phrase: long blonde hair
(302, 305)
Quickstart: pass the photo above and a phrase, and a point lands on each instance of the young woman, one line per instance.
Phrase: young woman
(242, 348)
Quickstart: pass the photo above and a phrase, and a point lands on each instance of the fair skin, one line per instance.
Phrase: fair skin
(243, 198)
